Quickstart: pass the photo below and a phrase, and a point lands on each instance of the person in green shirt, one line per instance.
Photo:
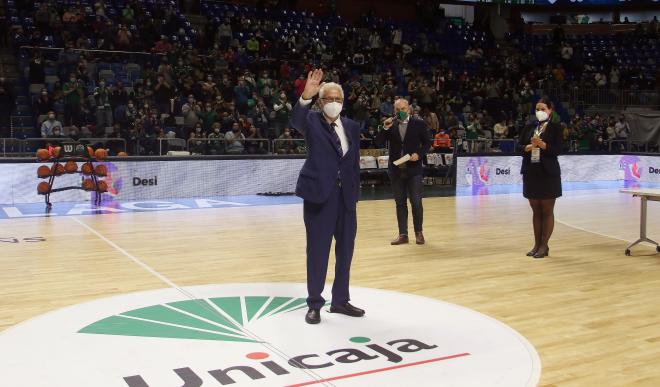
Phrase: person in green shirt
(253, 45)
(73, 93)
(208, 116)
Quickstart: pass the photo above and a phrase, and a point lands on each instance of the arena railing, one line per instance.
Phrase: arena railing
(94, 141)
(487, 145)
(219, 146)
(11, 146)
(289, 146)
(31, 145)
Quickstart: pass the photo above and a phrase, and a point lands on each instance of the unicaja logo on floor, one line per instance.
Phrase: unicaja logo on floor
(255, 335)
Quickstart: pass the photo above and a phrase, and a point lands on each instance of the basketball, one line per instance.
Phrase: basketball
(103, 186)
(87, 169)
(43, 187)
(88, 185)
(122, 154)
(43, 155)
(101, 170)
(71, 166)
(43, 171)
(101, 154)
(57, 169)
(56, 151)
(90, 151)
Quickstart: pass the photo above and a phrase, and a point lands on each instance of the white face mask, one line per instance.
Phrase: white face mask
(541, 115)
(332, 109)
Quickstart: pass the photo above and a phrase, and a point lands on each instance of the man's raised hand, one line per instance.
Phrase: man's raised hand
(313, 84)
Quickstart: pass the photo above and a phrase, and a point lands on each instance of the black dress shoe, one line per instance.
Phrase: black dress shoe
(313, 316)
(347, 309)
(541, 254)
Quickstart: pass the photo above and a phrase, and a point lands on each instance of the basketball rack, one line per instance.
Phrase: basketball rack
(65, 161)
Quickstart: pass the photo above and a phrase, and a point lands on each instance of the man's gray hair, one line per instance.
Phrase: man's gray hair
(329, 86)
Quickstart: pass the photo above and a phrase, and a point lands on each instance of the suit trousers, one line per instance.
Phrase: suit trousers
(323, 222)
(407, 185)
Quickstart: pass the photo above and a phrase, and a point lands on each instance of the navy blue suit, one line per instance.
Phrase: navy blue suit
(329, 183)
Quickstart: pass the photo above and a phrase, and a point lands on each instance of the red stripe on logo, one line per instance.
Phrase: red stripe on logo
(378, 370)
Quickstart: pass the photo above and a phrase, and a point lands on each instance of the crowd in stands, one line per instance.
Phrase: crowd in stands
(234, 82)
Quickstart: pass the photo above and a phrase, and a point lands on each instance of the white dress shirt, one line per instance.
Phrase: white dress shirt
(339, 128)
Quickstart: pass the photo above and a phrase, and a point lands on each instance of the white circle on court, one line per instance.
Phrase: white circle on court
(255, 335)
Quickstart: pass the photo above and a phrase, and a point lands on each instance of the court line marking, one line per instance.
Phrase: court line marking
(590, 231)
(192, 297)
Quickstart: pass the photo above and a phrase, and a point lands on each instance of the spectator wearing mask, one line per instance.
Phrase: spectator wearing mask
(281, 110)
(285, 143)
(442, 142)
(102, 95)
(196, 142)
(216, 140)
(252, 146)
(621, 128)
(44, 104)
(48, 126)
(208, 116)
(73, 95)
(57, 135)
(235, 140)
(189, 112)
(163, 93)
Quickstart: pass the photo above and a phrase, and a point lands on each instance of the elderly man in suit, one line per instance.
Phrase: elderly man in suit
(407, 136)
(329, 183)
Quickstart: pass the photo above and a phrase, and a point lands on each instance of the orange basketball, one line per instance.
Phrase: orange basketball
(122, 154)
(101, 154)
(87, 169)
(57, 169)
(43, 155)
(71, 166)
(88, 185)
(43, 171)
(43, 187)
(103, 186)
(90, 151)
(56, 151)
(101, 170)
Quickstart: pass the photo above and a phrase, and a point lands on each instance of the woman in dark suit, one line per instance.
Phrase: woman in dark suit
(541, 144)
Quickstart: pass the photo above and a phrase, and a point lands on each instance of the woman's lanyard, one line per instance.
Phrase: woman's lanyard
(540, 129)
(536, 152)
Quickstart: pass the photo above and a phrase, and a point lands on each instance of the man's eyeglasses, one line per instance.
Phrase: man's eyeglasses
(328, 100)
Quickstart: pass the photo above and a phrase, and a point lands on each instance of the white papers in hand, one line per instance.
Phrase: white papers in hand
(402, 160)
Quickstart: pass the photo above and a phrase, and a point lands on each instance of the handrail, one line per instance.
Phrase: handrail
(91, 140)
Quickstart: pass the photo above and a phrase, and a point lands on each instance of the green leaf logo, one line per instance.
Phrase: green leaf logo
(201, 319)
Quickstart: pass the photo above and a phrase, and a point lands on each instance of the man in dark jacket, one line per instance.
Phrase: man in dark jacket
(409, 141)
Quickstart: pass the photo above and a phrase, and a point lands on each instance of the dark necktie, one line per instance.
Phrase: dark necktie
(335, 137)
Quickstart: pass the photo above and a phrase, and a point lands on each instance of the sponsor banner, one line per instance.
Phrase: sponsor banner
(496, 170)
(150, 180)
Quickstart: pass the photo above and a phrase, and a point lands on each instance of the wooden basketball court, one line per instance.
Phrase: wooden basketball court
(591, 312)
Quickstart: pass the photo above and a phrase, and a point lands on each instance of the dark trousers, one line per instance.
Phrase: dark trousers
(406, 185)
(322, 222)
